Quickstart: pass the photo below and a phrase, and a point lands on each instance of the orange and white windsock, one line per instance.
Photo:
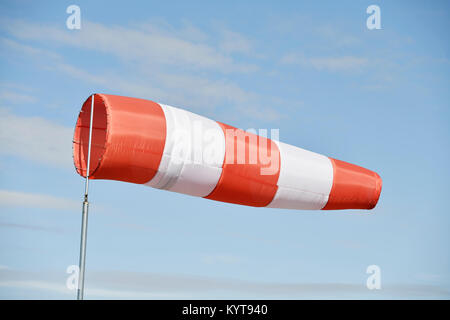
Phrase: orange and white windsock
(145, 142)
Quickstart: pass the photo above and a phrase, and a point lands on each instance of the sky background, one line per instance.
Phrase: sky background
(376, 98)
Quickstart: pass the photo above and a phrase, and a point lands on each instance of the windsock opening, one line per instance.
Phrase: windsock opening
(128, 138)
(81, 136)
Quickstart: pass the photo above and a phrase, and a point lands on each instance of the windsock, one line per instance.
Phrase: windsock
(144, 142)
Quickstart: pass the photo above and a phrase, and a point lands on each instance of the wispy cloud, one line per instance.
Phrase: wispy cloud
(178, 88)
(147, 46)
(221, 259)
(234, 42)
(35, 138)
(13, 97)
(13, 93)
(30, 227)
(26, 49)
(333, 64)
(10, 198)
(90, 292)
(146, 285)
(335, 37)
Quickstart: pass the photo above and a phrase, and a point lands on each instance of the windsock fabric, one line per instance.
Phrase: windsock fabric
(141, 141)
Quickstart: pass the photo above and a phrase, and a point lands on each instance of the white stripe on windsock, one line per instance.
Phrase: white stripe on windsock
(193, 154)
(305, 179)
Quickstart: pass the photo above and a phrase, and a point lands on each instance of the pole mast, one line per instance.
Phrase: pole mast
(84, 221)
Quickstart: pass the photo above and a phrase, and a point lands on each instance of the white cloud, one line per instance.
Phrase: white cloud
(181, 90)
(36, 139)
(30, 227)
(29, 50)
(146, 285)
(187, 31)
(200, 91)
(234, 42)
(161, 81)
(113, 82)
(184, 90)
(8, 95)
(9, 198)
(344, 63)
(221, 259)
(146, 47)
(90, 292)
(336, 37)
(338, 63)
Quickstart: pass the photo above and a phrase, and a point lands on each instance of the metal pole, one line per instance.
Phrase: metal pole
(84, 221)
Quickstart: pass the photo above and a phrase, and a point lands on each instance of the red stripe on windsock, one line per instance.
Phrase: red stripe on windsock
(245, 183)
(353, 187)
(127, 141)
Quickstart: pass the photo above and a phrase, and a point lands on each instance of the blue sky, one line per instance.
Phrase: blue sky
(377, 98)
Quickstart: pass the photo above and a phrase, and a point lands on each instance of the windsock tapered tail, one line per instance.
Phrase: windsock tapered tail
(141, 141)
